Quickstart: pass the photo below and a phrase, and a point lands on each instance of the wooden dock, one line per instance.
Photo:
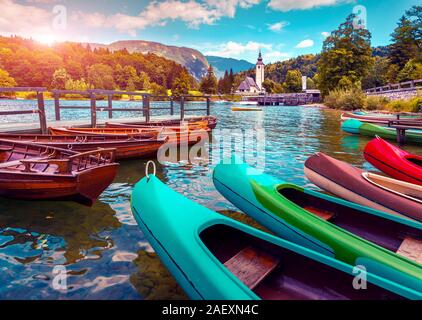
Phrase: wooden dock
(146, 110)
(289, 99)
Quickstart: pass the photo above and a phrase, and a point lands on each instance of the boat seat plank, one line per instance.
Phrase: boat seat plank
(16, 163)
(411, 249)
(251, 266)
(323, 214)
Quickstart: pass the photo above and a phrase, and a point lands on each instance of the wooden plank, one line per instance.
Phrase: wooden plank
(11, 113)
(23, 89)
(251, 266)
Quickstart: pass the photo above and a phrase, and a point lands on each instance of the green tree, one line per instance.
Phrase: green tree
(100, 76)
(347, 54)
(378, 75)
(123, 76)
(209, 83)
(158, 90)
(60, 77)
(181, 84)
(415, 16)
(392, 72)
(77, 85)
(6, 80)
(293, 81)
(143, 81)
(271, 86)
(411, 71)
(404, 46)
(310, 84)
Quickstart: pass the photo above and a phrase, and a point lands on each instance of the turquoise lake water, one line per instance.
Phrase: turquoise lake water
(105, 254)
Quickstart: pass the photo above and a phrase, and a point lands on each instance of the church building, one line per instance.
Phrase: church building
(249, 85)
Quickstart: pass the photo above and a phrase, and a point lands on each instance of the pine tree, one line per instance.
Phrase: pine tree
(404, 46)
(209, 83)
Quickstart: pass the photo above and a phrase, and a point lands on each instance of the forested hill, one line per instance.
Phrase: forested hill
(30, 63)
(221, 65)
(192, 59)
(307, 64)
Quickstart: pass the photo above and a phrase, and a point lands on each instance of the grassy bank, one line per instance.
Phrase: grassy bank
(355, 99)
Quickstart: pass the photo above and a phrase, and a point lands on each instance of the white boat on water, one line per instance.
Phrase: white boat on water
(247, 103)
(221, 101)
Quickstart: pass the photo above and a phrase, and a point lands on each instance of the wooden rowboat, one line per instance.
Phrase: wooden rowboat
(371, 190)
(36, 172)
(188, 126)
(126, 147)
(214, 257)
(144, 133)
(189, 137)
(211, 122)
(245, 109)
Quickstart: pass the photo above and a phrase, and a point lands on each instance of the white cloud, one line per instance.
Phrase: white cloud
(234, 49)
(325, 34)
(276, 56)
(305, 44)
(248, 51)
(278, 26)
(192, 12)
(16, 18)
(287, 5)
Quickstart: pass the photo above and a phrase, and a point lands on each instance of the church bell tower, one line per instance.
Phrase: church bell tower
(260, 72)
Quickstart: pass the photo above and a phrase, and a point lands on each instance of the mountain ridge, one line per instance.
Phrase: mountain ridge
(192, 59)
(221, 64)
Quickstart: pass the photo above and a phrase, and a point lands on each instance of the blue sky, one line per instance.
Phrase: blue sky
(231, 28)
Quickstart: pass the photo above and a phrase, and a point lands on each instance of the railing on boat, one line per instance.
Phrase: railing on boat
(94, 95)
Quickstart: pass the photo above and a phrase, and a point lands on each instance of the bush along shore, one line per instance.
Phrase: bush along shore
(356, 99)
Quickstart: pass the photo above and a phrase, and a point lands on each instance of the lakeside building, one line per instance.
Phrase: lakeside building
(249, 85)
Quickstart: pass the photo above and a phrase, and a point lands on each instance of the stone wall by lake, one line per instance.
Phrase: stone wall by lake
(397, 94)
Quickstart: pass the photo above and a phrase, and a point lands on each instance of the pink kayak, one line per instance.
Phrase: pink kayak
(371, 190)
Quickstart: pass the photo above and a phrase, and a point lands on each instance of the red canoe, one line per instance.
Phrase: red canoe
(367, 189)
(393, 161)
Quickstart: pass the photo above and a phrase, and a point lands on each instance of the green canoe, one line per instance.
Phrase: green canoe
(371, 130)
(217, 258)
(349, 232)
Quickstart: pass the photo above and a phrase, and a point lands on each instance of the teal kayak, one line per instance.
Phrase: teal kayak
(346, 231)
(371, 130)
(213, 257)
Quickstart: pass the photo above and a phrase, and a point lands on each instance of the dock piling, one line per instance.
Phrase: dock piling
(57, 105)
(93, 110)
(41, 112)
(182, 108)
(110, 106)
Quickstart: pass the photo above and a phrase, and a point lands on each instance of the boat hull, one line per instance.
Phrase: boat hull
(126, 148)
(35, 172)
(393, 161)
(376, 119)
(258, 195)
(348, 182)
(370, 130)
(181, 235)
